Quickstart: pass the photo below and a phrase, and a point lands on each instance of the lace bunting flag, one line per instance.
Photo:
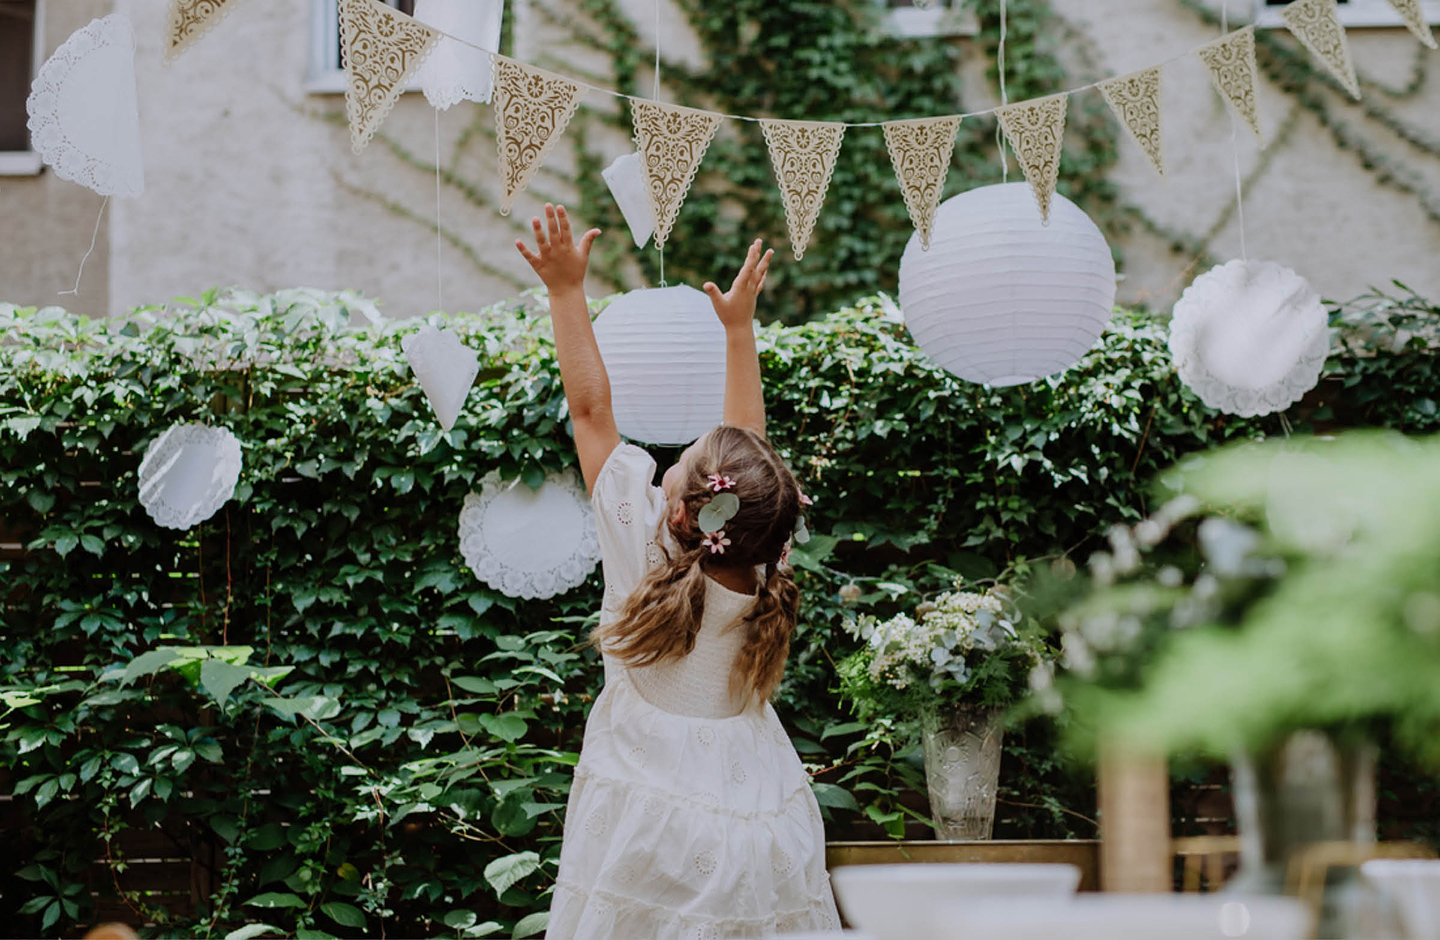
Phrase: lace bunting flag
(189, 20)
(920, 151)
(532, 107)
(1316, 23)
(1036, 130)
(1231, 61)
(382, 49)
(1414, 18)
(1135, 99)
(672, 141)
(803, 154)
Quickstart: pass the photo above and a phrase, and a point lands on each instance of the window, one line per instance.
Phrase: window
(327, 68)
(1352, 13)
(21, 52)
(911, 20)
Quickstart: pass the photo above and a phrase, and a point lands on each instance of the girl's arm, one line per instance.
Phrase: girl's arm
(561, 264)
(744, 396)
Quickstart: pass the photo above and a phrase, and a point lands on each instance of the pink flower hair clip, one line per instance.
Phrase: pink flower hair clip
(719, 482)
(716, 542)
(804, 500)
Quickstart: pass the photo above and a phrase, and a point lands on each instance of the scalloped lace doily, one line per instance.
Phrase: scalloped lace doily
(83, 117)
(445, 368)
(530, 543)
(1250, 337)
(456, 72)
(188, 473)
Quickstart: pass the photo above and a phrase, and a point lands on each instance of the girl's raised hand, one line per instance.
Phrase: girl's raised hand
(736, 307)
(557, 258)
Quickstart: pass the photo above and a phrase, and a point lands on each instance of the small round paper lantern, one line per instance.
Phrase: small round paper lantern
(664, 350)
(1002, 298)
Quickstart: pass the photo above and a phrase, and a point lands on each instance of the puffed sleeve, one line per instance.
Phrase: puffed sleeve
(629, 510)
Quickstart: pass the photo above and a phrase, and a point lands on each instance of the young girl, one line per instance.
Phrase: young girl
(691, 815)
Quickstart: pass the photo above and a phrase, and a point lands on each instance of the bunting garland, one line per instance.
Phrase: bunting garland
(189, 20)
(1414, 18)
(1316, 23)
(672, 141)
(1231, 61)
(1036, 130)
(382, 49)
(1135, 99)
(920, 151)
(803, 154)
(532, 109)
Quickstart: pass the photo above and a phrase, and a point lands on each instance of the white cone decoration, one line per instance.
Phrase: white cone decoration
(1249, 337)
(1002, 298)
(626, 179)
(456, 72)
(664, 350)
(188, 473)
(530, 543)
(445, 368)
(84, 121)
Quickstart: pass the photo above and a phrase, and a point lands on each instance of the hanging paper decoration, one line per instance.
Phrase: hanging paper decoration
(532, 108)
(445, 368)
(1001, 297)
(1414, 18)
(626, 180)
(1249, 337)
(803, 154)
(455, 71)
(1231, 61)
(664, 350)
(1135, 99)
(190, 20)
(920, 152)
(530, 543)
(1316, 23)
(382, 49)
(84, 121)
(188, 473)
(1036, 131)
(672, 141)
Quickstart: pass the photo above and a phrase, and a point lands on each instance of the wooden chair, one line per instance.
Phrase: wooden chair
(1308, 871)
(1204, 855)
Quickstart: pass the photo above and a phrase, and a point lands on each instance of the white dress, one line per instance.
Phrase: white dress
(690, 817)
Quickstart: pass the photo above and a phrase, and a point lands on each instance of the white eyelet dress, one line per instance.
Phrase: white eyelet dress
(691, 816)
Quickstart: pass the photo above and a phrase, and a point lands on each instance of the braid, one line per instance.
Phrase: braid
(761, 662)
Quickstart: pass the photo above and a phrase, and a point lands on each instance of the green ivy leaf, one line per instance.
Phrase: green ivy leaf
(531, 925)
(219, 678)
(272, 899)
(343, 914)
(509, 870)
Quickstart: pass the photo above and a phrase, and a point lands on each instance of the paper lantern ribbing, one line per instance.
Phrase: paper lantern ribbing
(1002, 298)
(188, 473)
(664, 350)
(1249, 337)
(530, 543)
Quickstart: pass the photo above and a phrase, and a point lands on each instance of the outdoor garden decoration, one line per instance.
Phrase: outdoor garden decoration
(664, 349)
(445, 368)
(460, 68)
(190, 20)
(188, 473)
(1249, 337)
(626, 179)
(84, 121)
(382, 49)
(530, 543)
(1001, 297)
(672, 141)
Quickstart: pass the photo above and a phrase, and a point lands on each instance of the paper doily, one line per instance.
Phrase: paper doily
(530, 543)
(83, 117)
(456, 72)
(188, 473)
(1249, 337)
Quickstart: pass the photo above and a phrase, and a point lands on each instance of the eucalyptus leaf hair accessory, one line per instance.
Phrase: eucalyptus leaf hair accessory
(716, 542)
(719, 510)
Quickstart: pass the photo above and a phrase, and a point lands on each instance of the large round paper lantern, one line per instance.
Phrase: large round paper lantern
(1002, 298)
(664, 350)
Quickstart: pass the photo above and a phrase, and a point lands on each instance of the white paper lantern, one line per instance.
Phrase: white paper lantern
(445, 368)
(626, 179)
(664, 350)
(530, 543)
(188, 473)
(1249, 337)
(1002, 298)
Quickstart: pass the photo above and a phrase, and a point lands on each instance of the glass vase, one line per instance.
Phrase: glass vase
(962, 770)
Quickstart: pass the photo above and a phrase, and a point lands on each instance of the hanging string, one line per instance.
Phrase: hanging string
(439, 270)
(1004, 100)
(661, 248)
(1235, 146)
(93, 238)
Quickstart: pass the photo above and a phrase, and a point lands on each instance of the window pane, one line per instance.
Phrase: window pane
(17, 49)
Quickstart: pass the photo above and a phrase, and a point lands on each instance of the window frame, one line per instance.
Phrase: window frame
(28, 162)
(323, 74)
(1353, 13)
(944, 18)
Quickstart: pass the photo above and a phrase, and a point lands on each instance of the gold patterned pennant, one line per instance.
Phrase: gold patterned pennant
(532, 108)
(382, 49)
(191, 19)
(1036, 131)
(1135, 99)
(1414, 18)
(1231, 61)
(672, 141)
(1316, 23)
(920, 152)
(803, 154)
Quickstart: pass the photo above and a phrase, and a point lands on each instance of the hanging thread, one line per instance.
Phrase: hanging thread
(661, 248)
(1235, 147)
(1004, 100)
(439, 269)
(93, 239)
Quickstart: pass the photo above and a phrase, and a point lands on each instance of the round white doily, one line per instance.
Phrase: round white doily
(188, 473)
(1249, 337)
(84, 121)
(530, 543)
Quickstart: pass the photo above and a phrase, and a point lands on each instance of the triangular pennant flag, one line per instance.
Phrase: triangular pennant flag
(1036, 130)
(672, 141)
(532, 108)
(1135, 99)
(382, 49)
(1414, 18)
(920, 151)
(191, 19)
(803, 154)
(1231, 61)
(1316, 23)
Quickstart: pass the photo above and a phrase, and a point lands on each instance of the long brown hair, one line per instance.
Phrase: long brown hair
(663, 613)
